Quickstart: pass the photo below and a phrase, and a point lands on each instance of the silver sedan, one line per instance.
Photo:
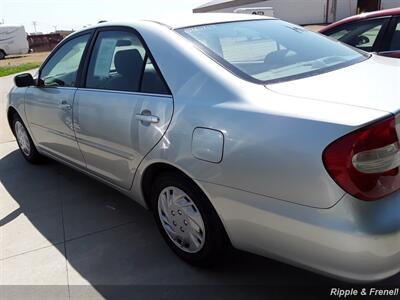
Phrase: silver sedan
(235, 130)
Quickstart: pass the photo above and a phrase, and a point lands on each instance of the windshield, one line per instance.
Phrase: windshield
(270, 51)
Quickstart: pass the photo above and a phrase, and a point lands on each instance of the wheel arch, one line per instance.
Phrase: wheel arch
(155, 169)
(10, 114)
(152, 172)
(11, 111)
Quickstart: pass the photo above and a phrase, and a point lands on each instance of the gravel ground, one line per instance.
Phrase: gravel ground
(15, 60)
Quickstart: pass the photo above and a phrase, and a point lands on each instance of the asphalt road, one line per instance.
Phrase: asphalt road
(63, 235)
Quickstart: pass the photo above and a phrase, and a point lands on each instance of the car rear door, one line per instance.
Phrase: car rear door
(123, 108)
(48, 106)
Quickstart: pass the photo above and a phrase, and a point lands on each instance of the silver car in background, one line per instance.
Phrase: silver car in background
(233, 129)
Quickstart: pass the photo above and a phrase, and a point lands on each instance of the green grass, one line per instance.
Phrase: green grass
(4, 71)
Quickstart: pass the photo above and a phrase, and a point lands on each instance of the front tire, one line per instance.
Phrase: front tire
(187, 220)
(24, 140)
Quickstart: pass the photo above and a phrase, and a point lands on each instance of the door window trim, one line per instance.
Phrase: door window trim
(81, 63)
(126, 92)
(88, 56)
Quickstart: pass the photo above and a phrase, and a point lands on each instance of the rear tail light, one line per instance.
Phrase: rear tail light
(365, 163)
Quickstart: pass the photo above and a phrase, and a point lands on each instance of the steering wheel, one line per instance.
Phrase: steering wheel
(55, 82)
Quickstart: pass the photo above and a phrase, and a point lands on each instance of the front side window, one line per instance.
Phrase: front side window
(363, 35)
(120, 62)
(62, 67)
(270, 50)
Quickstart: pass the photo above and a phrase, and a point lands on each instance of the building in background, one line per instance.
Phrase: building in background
(44, 42)
(64, 33)
(303, 11)
(39, 42)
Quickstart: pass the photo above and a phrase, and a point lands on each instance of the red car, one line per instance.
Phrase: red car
(377, 31)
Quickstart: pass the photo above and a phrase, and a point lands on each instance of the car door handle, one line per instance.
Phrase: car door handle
(147, 118)
(64, 105)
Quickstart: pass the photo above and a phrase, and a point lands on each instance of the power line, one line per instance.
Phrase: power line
(34, 25)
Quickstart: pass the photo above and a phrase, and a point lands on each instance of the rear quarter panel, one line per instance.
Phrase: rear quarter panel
(273, 143)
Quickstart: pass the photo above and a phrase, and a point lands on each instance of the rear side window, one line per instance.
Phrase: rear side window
(152, 82)
(363, 35)
(120, 62)
(62, 67)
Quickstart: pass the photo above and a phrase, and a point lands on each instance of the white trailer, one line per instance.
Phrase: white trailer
(261, 11)
(13, 40)
(300, 11)
(295, 11)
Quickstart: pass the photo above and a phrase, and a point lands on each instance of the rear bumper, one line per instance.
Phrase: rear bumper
(354, 240)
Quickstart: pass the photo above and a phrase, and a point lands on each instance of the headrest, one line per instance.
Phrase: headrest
(128, 62)
(274, 57)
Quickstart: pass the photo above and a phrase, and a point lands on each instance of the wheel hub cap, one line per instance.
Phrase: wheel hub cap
(181, 219)
(22, 137)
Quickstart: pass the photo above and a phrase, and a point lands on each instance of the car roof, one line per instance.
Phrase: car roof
(180, 21)
(197, 19)
(185, 20)
(364, 16)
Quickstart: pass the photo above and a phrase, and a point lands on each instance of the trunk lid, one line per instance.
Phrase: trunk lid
(374, 83)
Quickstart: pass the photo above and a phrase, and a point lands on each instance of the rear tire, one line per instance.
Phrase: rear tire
(189, 225)
(24, 140)
(2, 54)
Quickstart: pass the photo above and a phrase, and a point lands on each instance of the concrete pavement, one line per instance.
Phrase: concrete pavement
(64, 235)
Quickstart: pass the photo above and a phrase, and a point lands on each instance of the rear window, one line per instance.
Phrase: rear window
(268, 51)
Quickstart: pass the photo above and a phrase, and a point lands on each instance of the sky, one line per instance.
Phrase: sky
(75, 14)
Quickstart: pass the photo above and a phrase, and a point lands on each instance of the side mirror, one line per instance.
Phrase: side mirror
(24, 80)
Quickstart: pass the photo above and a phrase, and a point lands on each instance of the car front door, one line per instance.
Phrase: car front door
(48, 106)
(124, 107)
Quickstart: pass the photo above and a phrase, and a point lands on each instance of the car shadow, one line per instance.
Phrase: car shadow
(112, 243)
